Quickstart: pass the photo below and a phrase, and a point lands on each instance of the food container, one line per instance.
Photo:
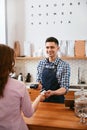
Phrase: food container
(81, 103)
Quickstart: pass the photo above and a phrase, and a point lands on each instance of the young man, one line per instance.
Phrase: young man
(53, 74)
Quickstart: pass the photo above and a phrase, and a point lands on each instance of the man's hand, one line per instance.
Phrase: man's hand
(48, 93)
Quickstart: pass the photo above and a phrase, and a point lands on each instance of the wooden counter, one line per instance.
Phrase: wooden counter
(51, 116)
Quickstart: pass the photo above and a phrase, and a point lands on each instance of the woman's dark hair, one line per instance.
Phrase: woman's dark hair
(7, 63)
(52, 39)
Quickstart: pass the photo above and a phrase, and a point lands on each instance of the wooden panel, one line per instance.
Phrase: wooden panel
(34, 93)
(39, 58)
(70, 95)
(80, 48)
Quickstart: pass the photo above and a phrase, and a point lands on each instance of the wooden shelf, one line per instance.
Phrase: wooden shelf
(74, 58)
(28, 58)
(39, 58)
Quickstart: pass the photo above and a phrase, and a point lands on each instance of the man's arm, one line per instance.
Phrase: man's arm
(60, 91)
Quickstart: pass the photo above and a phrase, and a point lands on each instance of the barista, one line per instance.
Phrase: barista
(53, 74)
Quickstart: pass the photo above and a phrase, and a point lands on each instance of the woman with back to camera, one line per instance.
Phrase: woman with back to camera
(14, 97)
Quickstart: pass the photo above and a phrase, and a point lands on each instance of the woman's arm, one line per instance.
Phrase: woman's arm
(37, 100)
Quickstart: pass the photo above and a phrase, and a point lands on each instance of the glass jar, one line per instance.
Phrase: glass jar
(81, 103)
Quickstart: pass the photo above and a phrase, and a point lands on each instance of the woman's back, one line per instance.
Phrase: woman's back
(15, 98)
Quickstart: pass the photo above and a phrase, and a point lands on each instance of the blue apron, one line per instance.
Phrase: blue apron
(50, 82)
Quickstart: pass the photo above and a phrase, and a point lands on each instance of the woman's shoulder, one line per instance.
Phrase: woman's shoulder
(15, 87)
(15, 82)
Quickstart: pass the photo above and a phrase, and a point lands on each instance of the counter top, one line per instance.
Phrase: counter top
(78, 85)
(54, 116)
(73, 87)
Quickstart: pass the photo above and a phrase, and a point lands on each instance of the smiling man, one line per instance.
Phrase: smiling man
(53, 74)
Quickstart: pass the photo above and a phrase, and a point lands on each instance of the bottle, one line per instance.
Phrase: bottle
(13, 75)
(20, 77)
(28, 77)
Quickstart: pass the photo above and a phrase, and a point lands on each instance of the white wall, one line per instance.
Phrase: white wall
(22, 13)
(15, 21)
(2, 22)
(11, 21)
(43, 19)
(20, 22)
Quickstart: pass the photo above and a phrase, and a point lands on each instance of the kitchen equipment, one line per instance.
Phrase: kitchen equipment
(70, 48)
(17, 48)
(20, 77)
(28, 48)
(81, 104)
(63, 47)
(28, 78)
(82, 74)
(69, 103)
(34, 86)
(80, 48)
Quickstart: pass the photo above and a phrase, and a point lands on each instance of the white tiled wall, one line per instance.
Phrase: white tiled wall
(30, 67)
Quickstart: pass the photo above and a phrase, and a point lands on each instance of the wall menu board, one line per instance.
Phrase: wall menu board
(54, 11)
